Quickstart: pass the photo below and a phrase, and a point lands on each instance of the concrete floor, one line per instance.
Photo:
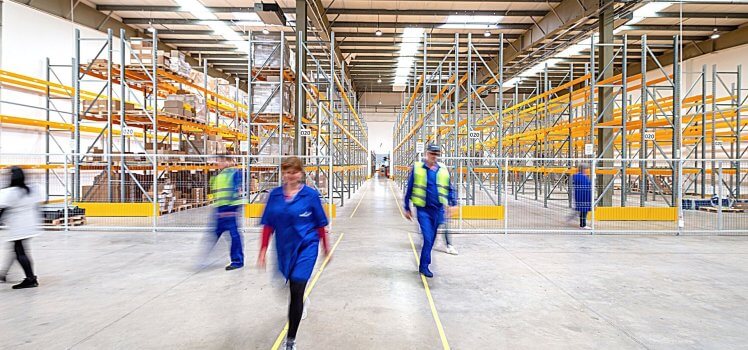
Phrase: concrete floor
(128, 290)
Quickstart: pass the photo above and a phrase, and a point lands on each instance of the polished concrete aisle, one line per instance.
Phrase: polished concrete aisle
(136, 290)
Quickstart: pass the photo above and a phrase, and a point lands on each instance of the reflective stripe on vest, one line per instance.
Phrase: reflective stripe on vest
(222, 189)
(420, 181)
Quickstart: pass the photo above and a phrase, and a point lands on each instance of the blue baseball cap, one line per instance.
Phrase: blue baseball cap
(433, 148)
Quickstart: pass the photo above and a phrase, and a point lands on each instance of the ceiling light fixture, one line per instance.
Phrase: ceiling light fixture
(487, 33)
(379, 80)
(715, 33)
(378, 33)
(265, 31)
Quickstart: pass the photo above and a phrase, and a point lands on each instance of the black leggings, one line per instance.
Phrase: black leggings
(22, 258)
(296, 307)
(582, 218)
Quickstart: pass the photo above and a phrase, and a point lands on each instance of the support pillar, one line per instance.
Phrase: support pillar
(605, 96)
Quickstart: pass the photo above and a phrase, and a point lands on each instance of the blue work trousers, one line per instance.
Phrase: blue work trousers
(429, 219)
(224, 224)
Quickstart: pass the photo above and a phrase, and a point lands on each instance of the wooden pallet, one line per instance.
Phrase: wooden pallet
(724, 210)
(183, 207)
(72, 221)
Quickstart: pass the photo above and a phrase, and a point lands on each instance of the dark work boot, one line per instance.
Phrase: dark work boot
(27, 283)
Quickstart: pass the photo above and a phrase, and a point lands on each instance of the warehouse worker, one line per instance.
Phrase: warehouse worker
(224, 190)
(582, 194)
(20, 213)
(430, 191)
(294, 213)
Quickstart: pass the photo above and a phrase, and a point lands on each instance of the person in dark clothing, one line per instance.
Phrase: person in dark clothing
(582, 194)
(19, 211)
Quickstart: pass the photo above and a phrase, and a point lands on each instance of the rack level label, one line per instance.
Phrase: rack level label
(649, 136)
(589, 149)
(474, 135)
(305, 133)
(420, 147)
(128, 131)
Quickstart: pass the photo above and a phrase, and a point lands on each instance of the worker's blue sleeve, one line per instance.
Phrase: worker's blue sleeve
(452, 197)
(238, 181)
(408, 191)
(318, 211)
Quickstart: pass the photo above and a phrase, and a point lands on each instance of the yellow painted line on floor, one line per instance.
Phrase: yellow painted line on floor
(434, 313)
(362, 198)
(279, 340)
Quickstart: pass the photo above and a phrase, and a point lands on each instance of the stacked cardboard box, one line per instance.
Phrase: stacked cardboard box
(100, 106)
(142, 50)
(179, 106)
(178, 65)
(267, 52)
(263, 93)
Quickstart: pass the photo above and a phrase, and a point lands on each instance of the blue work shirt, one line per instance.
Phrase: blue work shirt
(432, 191)
(582, 192)
(237, 181)
(295, 224)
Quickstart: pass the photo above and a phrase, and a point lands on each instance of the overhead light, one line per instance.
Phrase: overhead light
(379, 80)
(378, 33)
(715, 35)
(380, 102)
(471, 22)
(151, 29)
(208, 18)
(265, 31)
(487, 33)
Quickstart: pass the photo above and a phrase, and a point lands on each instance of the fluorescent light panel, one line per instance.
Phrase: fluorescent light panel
(209, 18)
(471, 22)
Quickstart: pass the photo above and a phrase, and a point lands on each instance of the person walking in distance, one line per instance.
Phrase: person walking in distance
(430, 190)
(582, 194)
(20, 213)
(224, 190)
(294, 213)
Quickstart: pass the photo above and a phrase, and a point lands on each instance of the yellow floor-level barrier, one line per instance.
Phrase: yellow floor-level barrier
(101, 209)
(482, 212)
(254, 210)
(635, 214)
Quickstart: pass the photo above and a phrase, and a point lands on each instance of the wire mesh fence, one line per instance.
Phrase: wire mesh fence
(586, 196)
(150, 192)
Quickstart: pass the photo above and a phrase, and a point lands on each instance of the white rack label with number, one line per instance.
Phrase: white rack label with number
(305, 132)
(420, 147)
(649, 136)
(474, 134)
(128, 131)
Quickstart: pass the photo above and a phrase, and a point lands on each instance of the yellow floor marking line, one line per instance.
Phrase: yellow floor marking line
(279, 340)
(439, 327)
(362, 198)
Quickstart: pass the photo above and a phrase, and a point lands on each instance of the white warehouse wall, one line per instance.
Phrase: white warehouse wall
(29, 37)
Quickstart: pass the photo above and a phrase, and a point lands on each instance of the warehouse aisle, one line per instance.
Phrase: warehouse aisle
(140, 290)
(370, 294)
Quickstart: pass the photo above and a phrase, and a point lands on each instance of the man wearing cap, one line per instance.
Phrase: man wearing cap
(430, 191)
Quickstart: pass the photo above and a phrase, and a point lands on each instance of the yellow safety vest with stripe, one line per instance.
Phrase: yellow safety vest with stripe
(222, 189)
(420, 181)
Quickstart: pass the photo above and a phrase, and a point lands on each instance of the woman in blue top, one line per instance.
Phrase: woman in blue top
(294, 212)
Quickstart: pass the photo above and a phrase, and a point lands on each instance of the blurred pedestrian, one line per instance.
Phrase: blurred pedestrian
(19, 205)
(430, 190)
(294, 213)
(225, 189)
(582, 194)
